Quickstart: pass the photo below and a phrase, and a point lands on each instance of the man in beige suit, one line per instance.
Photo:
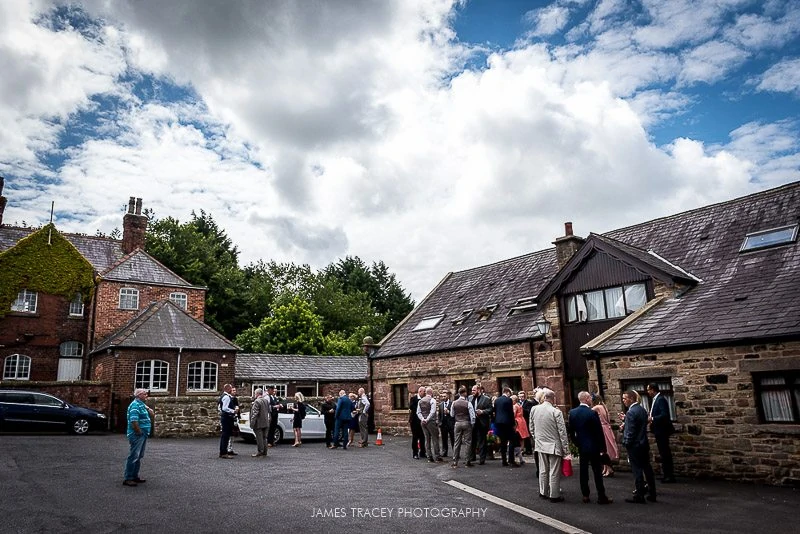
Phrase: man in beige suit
(259, 421)
(550, 443)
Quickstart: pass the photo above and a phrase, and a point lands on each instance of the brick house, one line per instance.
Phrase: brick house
(78, 307)
(706, 303)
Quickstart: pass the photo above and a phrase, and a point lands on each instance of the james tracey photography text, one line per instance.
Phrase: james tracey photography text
(396, 513)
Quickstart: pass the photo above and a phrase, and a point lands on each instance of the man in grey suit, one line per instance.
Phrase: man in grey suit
(550, 443)
(260, 420)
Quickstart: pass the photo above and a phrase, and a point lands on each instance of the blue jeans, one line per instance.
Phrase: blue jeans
(135, 456)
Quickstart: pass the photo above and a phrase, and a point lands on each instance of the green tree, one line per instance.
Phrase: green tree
(201, 253)
(293, 328)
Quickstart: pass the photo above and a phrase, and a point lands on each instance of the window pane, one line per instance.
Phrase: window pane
(595, 307)
(179, 299)
(26, 302)
(76, 306)
(635, 297)
(773, 381)
(17, 367)
(777, 406)
(572, 312)
(129, 299)
(71, 349)
(615, 304)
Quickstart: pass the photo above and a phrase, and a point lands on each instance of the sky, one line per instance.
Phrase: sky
(432, 135)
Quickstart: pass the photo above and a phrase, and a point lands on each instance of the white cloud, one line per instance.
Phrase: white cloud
(783, 77)
(352, 128)
(547, 20)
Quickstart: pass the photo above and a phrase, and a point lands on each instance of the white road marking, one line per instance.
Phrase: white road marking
(536, 516)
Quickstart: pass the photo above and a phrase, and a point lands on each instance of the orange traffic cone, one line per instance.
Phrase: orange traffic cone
(379, 439)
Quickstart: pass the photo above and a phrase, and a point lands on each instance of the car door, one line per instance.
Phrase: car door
(17, 408)
(314, 423)
(49, 412)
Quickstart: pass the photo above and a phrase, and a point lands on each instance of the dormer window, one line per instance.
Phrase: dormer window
(609, 303)
(463, 317)
(485, 313)
(429, 323)
(770, 238)
(524, 305)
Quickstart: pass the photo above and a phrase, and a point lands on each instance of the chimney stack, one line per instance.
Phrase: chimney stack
(2, 200)
(134, 226)
(567, 245)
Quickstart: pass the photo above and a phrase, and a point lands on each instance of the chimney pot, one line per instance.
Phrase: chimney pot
(131, 204)
(138, 206)
(567, 228)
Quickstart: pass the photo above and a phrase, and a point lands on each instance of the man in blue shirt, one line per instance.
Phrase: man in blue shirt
(139, 424)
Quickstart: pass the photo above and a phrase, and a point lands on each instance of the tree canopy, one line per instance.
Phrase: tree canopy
(280, 308)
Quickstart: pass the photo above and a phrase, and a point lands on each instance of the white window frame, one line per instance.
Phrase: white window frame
(751, 240)
(150, 379)
(71, 349)
(181, 300)
(205, 381)
(27, 301)
(21, 367)
(130, 297)
(76, 306)
(605, 304)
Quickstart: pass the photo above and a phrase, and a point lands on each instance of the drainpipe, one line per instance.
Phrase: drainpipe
(178, 373)
(600, 388)
(533, 365)
(317, 388)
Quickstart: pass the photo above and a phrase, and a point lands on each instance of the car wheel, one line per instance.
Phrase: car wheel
(278, 435)
(79, 426)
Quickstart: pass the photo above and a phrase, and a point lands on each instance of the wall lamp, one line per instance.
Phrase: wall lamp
(543, 325)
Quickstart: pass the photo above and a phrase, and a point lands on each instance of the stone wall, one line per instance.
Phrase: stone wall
(482, 365)
(719, 433)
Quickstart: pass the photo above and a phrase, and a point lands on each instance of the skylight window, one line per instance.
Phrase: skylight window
(463, 317)
(485, 313)
(429, 323)
(525, 305)
(770, 238)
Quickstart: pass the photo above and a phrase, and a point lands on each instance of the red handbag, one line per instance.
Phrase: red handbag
(566, 466)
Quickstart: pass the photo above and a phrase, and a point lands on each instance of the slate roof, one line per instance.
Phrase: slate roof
(502, 283)
(101, 252)
(164, 325)
(755, 295)
(742, 296)
(140, 267)
(299, 367)
(106, 256)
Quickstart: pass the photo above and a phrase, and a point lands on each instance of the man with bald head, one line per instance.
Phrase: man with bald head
(426, 412)
(586, 433)
(417, 437)
(139, 424)
(343, 414)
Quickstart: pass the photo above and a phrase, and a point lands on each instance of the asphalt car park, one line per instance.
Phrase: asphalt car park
(57, 483)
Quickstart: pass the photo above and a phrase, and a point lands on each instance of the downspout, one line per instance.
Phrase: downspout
(317, 395)
(533, 364)
(178, 373)
(601, 389)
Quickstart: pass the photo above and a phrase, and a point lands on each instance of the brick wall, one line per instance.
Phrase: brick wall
(718, 429)
(109, 317)
(484, 365)
(39, 335)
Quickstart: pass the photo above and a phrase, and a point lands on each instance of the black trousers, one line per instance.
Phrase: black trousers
(273, 424)
(448, 432)
(226, 422)
(667, 469)
(596, 463)
(417, 439)
(642, 470)
(479, 431)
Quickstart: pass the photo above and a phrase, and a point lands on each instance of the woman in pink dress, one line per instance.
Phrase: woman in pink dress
(521, 428)
(611, 440)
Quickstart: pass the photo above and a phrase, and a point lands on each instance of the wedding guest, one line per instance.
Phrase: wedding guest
(550, 442)
(587, 433)
(612, 450)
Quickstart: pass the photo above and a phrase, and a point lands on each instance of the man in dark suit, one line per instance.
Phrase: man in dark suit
(275, 408)
(504, 422)
(634, 438)
(446, 422)
(417, 436)
(586, 432)
(482, 405)
(328, 410)
(661, 427)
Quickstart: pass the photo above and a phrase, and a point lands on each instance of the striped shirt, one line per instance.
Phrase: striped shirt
(137, 411)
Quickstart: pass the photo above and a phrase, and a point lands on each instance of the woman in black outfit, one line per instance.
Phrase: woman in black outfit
(299, 410)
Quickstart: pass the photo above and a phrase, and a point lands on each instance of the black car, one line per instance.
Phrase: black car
(32, 410)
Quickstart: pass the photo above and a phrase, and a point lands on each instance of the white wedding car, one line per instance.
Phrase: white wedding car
(313, 425)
